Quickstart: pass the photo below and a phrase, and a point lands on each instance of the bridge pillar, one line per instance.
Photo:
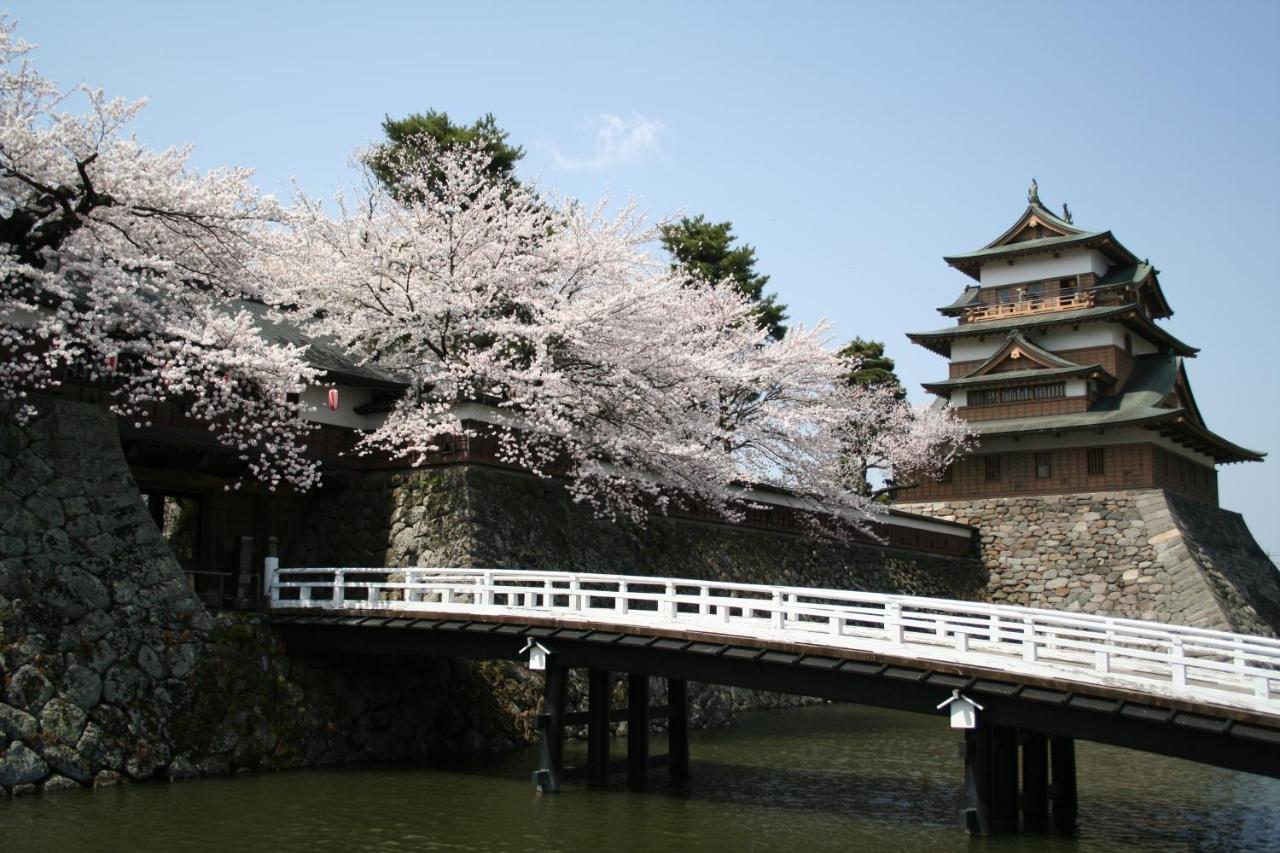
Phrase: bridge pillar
(548, 777)
(991, 779)
(678, 728)
(637, 729)
(1062, 755)
(598, 725)
(1035, 781)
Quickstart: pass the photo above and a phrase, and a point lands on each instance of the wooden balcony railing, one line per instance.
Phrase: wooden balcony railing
(1037, 305)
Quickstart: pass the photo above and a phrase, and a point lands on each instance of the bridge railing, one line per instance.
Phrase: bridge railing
(1212, 666)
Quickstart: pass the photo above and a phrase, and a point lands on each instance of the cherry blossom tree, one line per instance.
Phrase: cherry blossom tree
(553, 323)
(121, 265)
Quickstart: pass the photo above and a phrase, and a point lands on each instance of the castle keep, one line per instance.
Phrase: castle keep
(1094, 482)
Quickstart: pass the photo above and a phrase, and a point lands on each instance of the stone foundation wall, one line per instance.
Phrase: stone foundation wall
(473, 515)
(1142, 554)
(111, 669)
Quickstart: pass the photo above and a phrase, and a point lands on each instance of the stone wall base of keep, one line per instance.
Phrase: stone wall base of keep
(1141, 554)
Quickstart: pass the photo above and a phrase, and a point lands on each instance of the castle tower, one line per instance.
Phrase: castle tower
(1091, 445)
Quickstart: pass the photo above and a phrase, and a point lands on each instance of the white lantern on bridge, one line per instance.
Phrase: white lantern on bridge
(537, 654)
(964, 711)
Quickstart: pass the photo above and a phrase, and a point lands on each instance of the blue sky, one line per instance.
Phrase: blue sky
(853, 144)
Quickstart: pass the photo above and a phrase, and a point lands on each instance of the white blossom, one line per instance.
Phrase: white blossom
(597, 359)
(121, 265)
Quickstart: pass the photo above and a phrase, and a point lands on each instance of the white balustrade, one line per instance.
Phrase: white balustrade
(1215, 667)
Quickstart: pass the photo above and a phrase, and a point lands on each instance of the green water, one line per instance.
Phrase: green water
(823, 778)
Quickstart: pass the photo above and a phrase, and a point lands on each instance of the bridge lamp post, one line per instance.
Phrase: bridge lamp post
(964, 711)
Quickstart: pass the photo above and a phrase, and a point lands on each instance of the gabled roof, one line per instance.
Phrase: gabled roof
(939, 340)
(337, 363)
(1136, 275)
(1017, 347)
(1037, 219)
(1141, 403)
(1011, 377)
(1048, 366)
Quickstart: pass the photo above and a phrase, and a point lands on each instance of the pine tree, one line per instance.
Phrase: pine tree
(409, 139)
(874, 367)
(704, 250)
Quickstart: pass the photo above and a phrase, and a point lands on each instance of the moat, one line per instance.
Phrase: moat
(827, 777)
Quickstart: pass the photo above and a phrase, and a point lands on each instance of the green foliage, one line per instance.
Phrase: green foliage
(875, 368)
(704, 249)
(404, 139)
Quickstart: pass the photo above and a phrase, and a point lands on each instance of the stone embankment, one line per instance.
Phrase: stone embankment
(111, 669)
(1142, 554)
(470, 515)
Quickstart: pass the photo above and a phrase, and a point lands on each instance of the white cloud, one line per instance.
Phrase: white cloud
(618, 140)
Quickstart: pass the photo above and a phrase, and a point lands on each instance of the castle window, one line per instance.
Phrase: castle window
(991, 465)
(1020, 394)
(945, 476)
(1097, 460)
(1044, 466)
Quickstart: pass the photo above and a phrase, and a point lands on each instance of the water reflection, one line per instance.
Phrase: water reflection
(822, 778)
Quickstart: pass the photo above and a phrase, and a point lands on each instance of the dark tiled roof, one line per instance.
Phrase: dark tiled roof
(1026, 247)
(1153, 379)
(939, 340)
(337, 363)
(1008, 376)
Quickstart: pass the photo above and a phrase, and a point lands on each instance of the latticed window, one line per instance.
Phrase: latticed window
(1044, 466)
(1097, 460)
(991, 467)
(1020, 394)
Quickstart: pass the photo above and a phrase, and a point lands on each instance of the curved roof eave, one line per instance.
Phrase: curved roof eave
(939, 340)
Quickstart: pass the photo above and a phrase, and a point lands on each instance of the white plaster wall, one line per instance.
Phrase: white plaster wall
(1056, 339)
(315, 407)
(1036, 267)
(1077, 387)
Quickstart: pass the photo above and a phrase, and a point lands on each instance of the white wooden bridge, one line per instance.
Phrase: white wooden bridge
(1041, 676)
(1210, 667)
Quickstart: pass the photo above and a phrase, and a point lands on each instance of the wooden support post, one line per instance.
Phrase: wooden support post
(637, 729)
(1062, 755)
(1035, 781)
(1004, 779)
(551, 748)
(678, 728)
(990, 779)
(977, 779)
(598, 725)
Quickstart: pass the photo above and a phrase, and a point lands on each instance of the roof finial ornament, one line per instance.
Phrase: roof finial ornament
(1033, 193)
(1066, 214)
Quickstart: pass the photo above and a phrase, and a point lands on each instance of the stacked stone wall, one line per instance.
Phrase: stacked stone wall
(474, 515)
(111, 669)
(1142, 554)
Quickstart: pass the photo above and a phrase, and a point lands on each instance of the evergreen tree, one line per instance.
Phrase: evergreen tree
(404, 146)
(704, 249)
(874, 367)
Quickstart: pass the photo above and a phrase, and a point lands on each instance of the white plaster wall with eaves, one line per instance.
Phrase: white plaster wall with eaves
(1056, 339)
(1038, 267)
(1075, 388)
